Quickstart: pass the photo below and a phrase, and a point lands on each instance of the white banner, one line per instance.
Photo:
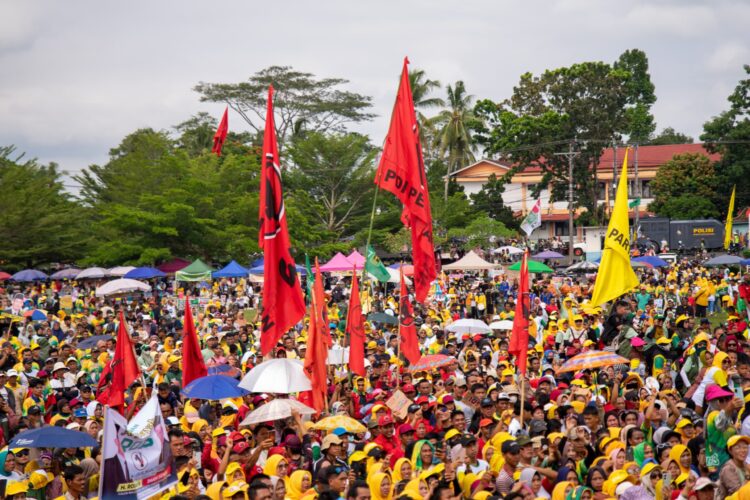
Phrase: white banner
(534, 218)
(137, 461)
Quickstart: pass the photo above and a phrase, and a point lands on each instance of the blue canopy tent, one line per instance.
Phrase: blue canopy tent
(257, 262)
(231, 270)
(144, 273)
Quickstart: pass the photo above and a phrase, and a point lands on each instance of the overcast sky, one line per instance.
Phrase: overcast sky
(77, 76)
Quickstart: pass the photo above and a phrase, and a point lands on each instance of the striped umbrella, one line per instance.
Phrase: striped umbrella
(345, 421)
(592, 359)
(431, 362)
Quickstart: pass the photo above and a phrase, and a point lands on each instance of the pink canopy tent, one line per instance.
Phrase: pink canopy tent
(339, 263)
(173, 265)
(356, 258)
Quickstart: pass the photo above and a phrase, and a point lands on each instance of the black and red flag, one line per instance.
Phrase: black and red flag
(406, 327)
(355, 327)
(283, 302)
(401, 171)
(221, 133)
(519, 336)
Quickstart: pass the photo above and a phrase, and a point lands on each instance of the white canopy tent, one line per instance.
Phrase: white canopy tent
(470, 262)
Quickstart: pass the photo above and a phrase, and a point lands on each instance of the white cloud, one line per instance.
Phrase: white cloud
(729, 57)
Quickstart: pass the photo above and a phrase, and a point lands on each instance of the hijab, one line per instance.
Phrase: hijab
(562, 474)
(397, 477)
(272, 463)
(559, 492)
(214, 490)
(639, 453)
(3, 458)
(412, 488)
(294, 485)
(374, 482)
(416, 455)
(577, 493)
(527, 476)
(675, 454)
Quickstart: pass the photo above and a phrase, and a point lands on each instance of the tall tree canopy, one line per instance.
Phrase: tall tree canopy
(39, 221)
(685, 187)
(729, 134)
(301, 102)
(587, 103)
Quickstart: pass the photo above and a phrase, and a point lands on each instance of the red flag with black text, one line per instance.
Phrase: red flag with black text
(519, 336)
(221, 134)
(406, 327)
(316, 357)
(283, 302)
(401, 171)
(355, 327)
(193, 366)
(119, 373)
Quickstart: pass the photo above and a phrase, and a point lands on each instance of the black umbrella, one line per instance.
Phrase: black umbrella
(382, 318)
(90, 342)
(52, 437)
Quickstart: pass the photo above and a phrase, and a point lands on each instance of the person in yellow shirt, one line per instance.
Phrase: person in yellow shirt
(701, 299)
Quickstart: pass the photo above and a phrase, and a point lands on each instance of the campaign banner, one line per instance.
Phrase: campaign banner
(137, 461)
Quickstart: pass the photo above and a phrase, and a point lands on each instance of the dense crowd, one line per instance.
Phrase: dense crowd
(673, 423)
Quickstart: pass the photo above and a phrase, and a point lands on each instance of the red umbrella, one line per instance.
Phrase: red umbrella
(431, 362)
(4, 276)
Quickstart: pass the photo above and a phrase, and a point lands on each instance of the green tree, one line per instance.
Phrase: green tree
(489, 200)
(421, 91)
(729, 135)
(587, 103)
(670, 136)
(684, 188)
(301, 103)
(480, 232)
(336, 170)
(39, 221)
(454, 130)
(196, 134)
(641, 96)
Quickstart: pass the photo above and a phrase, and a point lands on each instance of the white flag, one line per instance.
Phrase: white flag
(534, 218)
(137, 461)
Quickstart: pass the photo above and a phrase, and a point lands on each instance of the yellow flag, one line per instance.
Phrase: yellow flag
(728, 226)
(615, 276)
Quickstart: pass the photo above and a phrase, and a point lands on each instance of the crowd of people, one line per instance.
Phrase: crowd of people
(671, 423)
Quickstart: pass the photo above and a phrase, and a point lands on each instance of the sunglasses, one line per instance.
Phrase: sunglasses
(656, 475)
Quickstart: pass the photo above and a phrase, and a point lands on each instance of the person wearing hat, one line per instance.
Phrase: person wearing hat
(472, 462)
(704, 489)
(506, 477)
(331, 447)
(734, 474)
(719, 421)
(387, 439)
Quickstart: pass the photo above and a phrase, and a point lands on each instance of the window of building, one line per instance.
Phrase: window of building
(601, 190)
(561, 228)
(646, 189)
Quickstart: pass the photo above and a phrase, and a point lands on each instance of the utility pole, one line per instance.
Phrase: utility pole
(570, 154)
(637, 193)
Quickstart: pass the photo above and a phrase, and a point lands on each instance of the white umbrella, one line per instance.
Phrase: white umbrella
(469, 326)
(502, 325)
(94, 273)
(276, 410)
(278, 376)
(510, 250)
(120, 271)
(394, 276)
(583, 266)
(122, 285)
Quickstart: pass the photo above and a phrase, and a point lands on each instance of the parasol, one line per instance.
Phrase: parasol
(592, 359)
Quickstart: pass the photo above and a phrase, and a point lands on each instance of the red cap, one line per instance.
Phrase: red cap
(405, 428)
(485, 422)
(407, 388)
(276, 450)
(385, 420)
(237, 436)
(422, 399)
(240, 447)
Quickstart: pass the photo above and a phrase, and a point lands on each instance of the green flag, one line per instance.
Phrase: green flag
(375, 267)
(635, 203)
(310, 278)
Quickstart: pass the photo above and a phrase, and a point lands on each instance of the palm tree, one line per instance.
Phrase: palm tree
(454, 135)
(421, 88)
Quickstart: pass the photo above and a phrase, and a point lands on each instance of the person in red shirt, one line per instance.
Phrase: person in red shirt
(388, 441)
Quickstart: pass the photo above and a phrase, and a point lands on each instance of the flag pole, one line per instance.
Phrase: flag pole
(523, 392)
(314, 317)
(398, 337)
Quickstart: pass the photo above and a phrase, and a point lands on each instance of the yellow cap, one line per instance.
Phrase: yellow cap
(16, 488)
(736, 439)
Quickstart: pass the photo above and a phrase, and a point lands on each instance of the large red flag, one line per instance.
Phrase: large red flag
(401, 171)
(356, 329)
(317, 345)
(407, 328)
(283, 303)
(122, 371)
(519, 337)
(193, 366)
(221, 134)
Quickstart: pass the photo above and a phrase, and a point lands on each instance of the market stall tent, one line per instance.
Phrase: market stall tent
(197, 271)
(470, 262)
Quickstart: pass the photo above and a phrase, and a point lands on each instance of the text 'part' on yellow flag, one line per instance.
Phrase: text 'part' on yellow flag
(615, 276)
(730, 219)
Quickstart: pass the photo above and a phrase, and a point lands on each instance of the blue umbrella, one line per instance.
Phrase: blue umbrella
(90, 342)
(232, 270)
(29, 275)
(214, 387)
(745, 262)
(36, 315)
(144, 273)
(653, 260)
(229, 371)
(66, 274)
(51, 436)
(723, 260)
